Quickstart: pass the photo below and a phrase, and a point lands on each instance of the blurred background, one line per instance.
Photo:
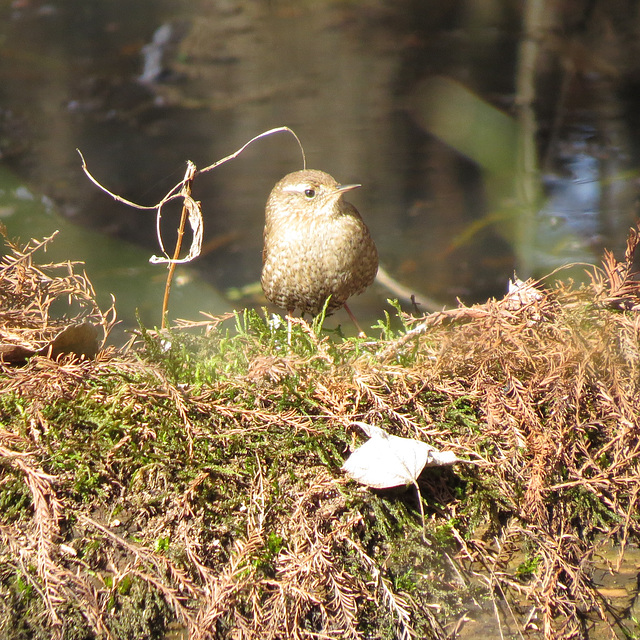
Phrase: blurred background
(489, 135)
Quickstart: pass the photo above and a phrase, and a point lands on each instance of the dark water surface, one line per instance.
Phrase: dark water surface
(480, 150)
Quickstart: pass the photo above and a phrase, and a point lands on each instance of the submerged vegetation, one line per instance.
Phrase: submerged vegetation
(190, 484)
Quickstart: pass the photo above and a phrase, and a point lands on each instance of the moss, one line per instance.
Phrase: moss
(196, 479)
(138, 611)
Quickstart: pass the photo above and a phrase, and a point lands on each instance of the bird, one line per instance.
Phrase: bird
(316, 245)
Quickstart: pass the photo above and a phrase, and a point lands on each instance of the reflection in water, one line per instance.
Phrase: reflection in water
(569, 219)
(341, 75)
(576, 198)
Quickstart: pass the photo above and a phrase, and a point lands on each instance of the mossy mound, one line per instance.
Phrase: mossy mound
(190, 484)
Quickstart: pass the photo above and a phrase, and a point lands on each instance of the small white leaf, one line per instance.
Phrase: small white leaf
(386, 460)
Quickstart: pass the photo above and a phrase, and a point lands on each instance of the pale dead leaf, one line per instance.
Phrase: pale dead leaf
(387, 461)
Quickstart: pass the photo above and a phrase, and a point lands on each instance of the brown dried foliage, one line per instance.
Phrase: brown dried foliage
(557, 382)
(550, 387)
(28, 293)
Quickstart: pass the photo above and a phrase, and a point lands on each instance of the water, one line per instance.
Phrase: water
(350, 79)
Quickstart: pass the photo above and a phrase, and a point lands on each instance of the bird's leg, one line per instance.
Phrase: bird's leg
(361, 333)
(289, 316)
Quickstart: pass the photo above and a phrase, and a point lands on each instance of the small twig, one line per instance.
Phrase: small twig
(186, 193)
(113, 195)
(235, 154)
(361, 333)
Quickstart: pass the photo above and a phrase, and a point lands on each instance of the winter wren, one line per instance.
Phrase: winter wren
(316, 245)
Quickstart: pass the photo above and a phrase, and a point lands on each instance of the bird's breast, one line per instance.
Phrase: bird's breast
(306, 261)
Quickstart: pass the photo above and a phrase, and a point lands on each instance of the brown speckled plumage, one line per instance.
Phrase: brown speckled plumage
(315, 245)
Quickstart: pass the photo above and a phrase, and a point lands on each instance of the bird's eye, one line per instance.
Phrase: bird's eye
(310, 193)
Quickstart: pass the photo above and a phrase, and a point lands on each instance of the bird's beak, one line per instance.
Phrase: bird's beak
(341, 188)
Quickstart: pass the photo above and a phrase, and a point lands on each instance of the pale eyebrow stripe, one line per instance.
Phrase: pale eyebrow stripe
(298, 188)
